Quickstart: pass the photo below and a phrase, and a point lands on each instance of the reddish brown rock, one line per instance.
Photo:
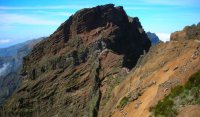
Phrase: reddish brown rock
(73, 71)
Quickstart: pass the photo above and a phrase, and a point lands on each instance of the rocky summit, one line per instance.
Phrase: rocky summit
(74, 71)
(188, 33)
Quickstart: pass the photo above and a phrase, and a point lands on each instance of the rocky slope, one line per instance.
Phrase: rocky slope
(165, 66)
(74, 71)
(154, 76)
(189, 32)
(10, 64)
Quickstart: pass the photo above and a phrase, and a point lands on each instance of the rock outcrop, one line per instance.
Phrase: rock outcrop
(188, 33)
(73, 72)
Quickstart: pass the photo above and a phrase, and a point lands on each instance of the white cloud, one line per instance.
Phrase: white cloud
(164, 36)
(54, 13)
(25, 19)
(43, 7)
(63, 13)
(4, 27)
(136, 8)
(173, 2)
(2, 41)
(162, 2)
(3, 69)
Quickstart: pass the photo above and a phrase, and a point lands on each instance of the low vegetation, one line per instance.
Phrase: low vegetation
(189, 94)
(124, 101)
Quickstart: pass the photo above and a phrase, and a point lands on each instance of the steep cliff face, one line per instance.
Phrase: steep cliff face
(73, 72)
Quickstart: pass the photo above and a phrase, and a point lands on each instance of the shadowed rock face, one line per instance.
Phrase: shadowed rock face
(73, 72)
(188, 33)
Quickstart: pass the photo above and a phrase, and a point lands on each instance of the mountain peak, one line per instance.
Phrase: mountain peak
(107, 24)
(78, 65)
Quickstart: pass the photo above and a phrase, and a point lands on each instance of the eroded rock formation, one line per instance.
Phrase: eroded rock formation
(73, 72)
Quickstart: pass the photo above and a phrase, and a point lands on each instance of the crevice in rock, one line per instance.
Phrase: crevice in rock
(95, 93)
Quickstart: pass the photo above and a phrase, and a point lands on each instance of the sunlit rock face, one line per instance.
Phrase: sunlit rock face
(188, 33)
(73, 72)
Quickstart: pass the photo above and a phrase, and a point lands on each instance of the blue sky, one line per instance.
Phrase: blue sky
(22, 20)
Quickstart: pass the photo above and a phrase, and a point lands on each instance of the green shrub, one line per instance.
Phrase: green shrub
(164, 108)
(176, 91)
(182, 95)
(194, 79)
(194, 90)
(123, 102)
(198, 101)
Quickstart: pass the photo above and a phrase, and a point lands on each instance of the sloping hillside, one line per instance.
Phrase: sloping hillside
(165, 66)
(10, 65)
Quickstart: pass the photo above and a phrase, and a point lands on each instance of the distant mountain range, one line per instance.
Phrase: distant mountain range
(14, 49)
(153, 38)
(10, 65)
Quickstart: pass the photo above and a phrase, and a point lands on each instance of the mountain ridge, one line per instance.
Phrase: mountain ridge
(101, 63)
(74, 67)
